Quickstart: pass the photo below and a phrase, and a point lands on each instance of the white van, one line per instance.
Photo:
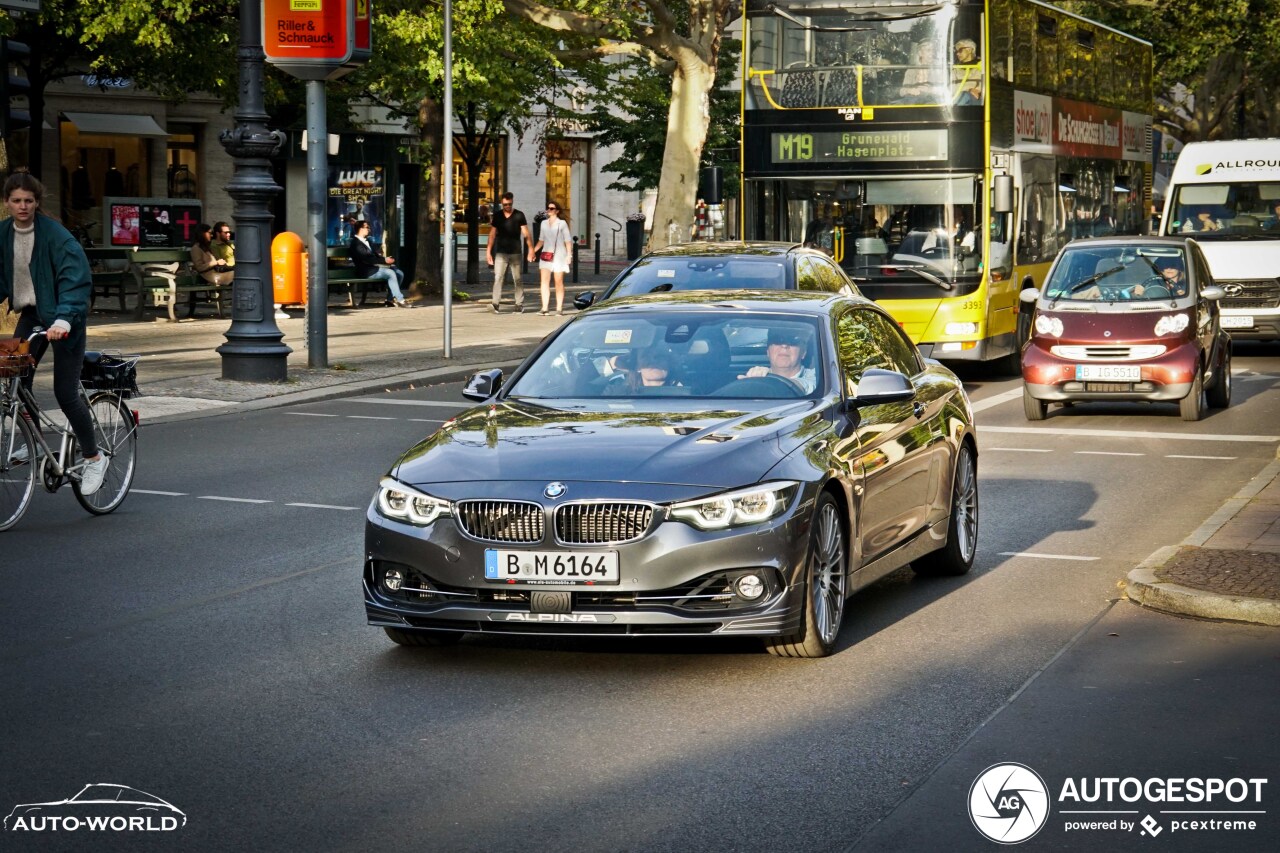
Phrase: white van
(1227, 195)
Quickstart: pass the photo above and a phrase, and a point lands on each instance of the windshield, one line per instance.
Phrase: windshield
(927, 54)
(1119, 274)
(685, 354)
(1226, 211)
(659, 274)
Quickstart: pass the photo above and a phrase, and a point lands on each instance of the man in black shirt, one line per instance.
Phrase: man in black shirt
(508, 230)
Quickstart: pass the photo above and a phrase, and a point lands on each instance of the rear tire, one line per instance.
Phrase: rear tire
(116, 433)
(17, 478)
(826, 585)
(1034, 409)
(1220, 394)
(956, 557)
(1193, 405)
(421, 639)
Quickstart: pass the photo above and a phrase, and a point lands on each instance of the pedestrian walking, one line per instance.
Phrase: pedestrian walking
(508, 238)
(554, 251)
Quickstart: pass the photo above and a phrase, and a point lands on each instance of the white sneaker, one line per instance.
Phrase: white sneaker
(92, 473)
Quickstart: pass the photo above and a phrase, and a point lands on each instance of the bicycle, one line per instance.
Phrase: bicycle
(25, 455)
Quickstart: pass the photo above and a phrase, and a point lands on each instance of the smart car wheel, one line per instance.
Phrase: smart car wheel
(1220, 394)
(956, 557)
(401, 637)
(1034, 409)
(1193, 405)
(825, 588)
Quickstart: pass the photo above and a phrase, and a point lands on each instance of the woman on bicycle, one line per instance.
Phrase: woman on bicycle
(45, 276)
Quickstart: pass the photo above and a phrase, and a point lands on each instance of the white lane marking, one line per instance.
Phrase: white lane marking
(1046, 556)
(427, 420)
(445, 403)
(233, 500)
(313, 414)
(1117, 433)
(324, 506)
(1182, 456)
(991, 402)
(156, 492)
(1020, 449)
(1106, 453)
(370, 418)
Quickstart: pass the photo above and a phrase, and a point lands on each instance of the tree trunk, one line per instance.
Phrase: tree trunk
(687, 123)
(428, 272)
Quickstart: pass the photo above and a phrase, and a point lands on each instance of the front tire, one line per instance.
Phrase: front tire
(1192, 406)
(1034, 409)
(826, 585)
(956, 557)
(18, 463)
(1220, 394)
(421, 639)
(116, 433)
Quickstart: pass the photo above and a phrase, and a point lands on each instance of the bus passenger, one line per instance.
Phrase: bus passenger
(920, 84)
(966, 74)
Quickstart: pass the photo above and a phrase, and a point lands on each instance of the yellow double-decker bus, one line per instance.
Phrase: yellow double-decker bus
(943, 152)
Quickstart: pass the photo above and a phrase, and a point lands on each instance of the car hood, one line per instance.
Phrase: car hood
(1113, 328)
(596, 441)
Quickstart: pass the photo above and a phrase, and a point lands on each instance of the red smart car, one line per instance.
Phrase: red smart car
(1127, 318)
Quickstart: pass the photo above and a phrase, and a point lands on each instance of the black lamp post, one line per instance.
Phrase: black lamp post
(254, 351)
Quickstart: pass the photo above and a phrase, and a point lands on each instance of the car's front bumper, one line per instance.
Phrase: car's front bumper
(1167, 378)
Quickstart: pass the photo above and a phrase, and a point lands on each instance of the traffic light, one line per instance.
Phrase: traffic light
(13, 86)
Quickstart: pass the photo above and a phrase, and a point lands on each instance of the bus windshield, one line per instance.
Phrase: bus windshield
(1228, 211)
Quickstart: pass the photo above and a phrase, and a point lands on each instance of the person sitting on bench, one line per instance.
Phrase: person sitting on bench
(370, 264)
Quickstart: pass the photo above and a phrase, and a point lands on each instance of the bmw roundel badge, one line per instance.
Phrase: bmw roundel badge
(555, 490)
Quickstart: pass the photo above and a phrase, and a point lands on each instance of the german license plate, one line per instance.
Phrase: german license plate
(1109, 372)
(1237, 321)
(550, 567)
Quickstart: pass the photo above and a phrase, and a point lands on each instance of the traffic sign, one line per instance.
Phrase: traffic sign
(364, 31)
(313, 39)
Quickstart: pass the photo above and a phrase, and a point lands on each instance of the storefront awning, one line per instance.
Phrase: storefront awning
(125, 124)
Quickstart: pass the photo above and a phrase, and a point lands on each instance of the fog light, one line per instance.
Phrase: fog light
(393, 580)
(749, 587)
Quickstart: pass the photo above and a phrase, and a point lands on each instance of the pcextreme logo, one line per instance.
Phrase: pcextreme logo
(101, 807)
(1009, 803)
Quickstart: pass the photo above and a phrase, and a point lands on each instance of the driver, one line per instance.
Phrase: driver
(1174, 278)
(786, 351)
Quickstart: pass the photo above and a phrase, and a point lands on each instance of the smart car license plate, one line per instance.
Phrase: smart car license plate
(551, 567)
(1112, 372)
(1237, 321)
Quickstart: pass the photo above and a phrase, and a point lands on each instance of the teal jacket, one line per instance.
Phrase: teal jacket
(59, 271)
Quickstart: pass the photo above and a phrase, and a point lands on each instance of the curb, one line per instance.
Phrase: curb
(1145, 589)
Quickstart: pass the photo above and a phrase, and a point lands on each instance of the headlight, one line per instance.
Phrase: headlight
(744, 506)
(1171, 324)
(398, 501)
(1046, 325)
(961, 329)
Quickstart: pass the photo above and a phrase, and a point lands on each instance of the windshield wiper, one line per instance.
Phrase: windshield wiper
(1098, 276)
(927, 276)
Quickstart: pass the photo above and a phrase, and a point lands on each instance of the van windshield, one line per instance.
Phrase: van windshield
(1227, 211)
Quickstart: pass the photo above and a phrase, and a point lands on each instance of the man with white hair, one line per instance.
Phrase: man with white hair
(966, 74)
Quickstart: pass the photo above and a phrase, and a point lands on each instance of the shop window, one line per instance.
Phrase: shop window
(95, 166)
(568, 182)
(184, 161)
(491, 176)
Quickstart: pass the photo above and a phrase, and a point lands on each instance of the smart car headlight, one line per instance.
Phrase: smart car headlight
(731, 509)
(1171, 324)
(404, 503)
(1046, 325)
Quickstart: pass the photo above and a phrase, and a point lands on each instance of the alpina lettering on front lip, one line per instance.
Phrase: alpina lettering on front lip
(555, 490)
(597, 618)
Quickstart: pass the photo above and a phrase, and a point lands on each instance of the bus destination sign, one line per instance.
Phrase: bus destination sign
(852, 145)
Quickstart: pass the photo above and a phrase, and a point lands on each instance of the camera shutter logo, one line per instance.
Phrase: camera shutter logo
(1008, 803)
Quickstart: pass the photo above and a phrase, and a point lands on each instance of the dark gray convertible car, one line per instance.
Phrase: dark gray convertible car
(693, 464)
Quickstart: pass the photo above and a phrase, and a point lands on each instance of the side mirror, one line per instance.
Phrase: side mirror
(1002, 194)
(1029, 295)
(584, 300)
(1212, 292)
(879, 386)
(483, 385)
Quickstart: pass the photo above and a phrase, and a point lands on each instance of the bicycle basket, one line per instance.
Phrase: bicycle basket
(102, 372)
(15, 358)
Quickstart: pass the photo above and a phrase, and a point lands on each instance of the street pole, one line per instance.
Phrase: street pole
(446, 161)
(255, 350)
(317, 191)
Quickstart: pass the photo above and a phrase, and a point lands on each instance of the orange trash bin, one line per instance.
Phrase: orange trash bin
(288, 269)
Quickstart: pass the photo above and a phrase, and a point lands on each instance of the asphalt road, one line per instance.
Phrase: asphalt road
(207, 644)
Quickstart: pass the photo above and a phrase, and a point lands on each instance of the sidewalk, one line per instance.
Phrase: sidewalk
(1229, 568)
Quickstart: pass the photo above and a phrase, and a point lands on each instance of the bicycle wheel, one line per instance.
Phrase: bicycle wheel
(17, 468)
(117, 436)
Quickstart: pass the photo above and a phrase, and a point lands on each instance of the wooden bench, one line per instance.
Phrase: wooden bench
(341, 276)
(111, 276)
(163, 276)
